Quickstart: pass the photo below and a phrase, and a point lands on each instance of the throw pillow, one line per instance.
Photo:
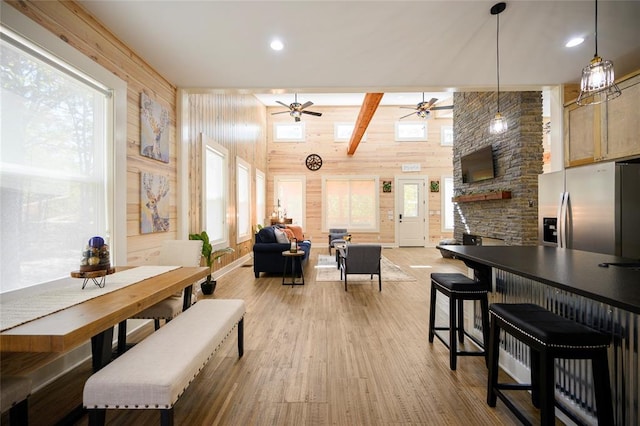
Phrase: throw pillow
(281, 237)
(266, 235)
(297, 231)
(289, 233)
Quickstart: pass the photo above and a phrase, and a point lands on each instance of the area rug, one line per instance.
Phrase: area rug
(327, 271)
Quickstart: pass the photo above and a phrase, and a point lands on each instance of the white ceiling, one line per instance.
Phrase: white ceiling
(361, 46)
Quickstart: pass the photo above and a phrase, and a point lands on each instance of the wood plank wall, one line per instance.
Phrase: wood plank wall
(71, 23)
(236, 122)
(379, 155)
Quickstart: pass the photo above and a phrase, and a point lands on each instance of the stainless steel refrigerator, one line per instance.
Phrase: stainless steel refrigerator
(594, 208)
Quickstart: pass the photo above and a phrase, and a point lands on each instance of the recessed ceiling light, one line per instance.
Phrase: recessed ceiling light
(277, 45)
(574, 42)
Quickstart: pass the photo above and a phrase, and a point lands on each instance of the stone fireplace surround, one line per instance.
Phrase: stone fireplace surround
(517, 162)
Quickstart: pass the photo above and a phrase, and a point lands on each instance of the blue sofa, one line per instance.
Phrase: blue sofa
(267, 253)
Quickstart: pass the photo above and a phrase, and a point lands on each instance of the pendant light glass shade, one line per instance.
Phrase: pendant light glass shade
(598, 80)
(498, 124)
(598, 83)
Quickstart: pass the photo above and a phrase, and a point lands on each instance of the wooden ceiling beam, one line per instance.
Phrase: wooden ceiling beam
(369, 106)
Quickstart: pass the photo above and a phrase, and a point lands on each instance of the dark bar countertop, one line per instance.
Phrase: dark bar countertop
(575, 271)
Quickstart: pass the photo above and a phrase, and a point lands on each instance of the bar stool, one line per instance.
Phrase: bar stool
(549, 336)
(458, 288)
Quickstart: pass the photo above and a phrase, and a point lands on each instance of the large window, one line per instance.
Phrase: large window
(243, 199)
(57, 170)
(447, 204)
(215, 190)
(261, 197)
(350, 202)
(290, 195)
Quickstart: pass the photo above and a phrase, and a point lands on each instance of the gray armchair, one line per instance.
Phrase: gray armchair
(336, 234)
(361, 259)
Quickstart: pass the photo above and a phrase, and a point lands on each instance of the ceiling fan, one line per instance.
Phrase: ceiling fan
(423, 109)
(296, 109)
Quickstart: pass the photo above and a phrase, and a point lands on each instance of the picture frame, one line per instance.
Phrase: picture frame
(434, 186)
(154, 126)
(386, 186)
(154, 203)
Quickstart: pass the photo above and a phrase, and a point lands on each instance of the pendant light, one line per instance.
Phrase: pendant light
(598, 81)
(499, 123)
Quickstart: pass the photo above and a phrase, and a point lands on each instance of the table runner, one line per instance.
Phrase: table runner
(22, 310)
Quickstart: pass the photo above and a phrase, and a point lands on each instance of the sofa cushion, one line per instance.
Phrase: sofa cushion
(281, 237)
(297, 231)
(266, 235)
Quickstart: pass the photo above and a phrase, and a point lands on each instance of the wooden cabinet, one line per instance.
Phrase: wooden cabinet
(581, 134)
(607, 131)
(622, 136)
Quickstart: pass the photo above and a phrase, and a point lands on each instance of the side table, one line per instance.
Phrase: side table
(294, 257)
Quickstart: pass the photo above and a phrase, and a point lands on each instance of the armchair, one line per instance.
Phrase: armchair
(336, 234)
(361, 259)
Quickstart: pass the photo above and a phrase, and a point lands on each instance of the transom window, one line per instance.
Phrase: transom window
(289, 132)
(411, 131)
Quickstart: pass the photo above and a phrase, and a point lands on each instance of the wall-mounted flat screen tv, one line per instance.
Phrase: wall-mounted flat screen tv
(478, 165)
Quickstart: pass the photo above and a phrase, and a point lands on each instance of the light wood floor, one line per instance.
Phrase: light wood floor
(317, 355)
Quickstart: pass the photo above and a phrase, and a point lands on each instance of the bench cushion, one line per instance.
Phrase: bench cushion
(547, 328)
(458, 283)
(155, 372)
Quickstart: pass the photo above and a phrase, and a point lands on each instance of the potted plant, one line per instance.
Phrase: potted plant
(210, 257)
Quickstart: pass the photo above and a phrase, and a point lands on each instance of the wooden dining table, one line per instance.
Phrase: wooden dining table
(95, 319)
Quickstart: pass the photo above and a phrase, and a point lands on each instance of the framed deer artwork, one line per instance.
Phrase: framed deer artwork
(154, 129)
(154, 203)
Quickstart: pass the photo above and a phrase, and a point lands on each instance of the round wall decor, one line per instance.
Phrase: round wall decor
(313, 162)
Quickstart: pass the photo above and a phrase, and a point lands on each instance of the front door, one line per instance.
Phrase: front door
(410, 208)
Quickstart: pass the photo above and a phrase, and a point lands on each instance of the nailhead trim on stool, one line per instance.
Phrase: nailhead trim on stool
(549, 336)
(458, 288)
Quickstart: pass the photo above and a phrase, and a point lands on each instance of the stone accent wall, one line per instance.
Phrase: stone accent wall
(517, 158)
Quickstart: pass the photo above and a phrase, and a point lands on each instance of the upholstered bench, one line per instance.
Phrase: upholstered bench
(155, 372)
(14, 392)
(549, 336)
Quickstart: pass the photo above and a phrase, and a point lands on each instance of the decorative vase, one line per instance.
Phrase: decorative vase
(208, 287)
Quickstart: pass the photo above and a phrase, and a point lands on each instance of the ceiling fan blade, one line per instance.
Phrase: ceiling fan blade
(317, 114)
(306, 105)
(405, 116)
(280, 112)
(442, 107)
(407, 107)
(283, 104)
(431, 102)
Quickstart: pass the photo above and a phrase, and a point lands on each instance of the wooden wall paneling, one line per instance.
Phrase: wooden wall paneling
(237, 123)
